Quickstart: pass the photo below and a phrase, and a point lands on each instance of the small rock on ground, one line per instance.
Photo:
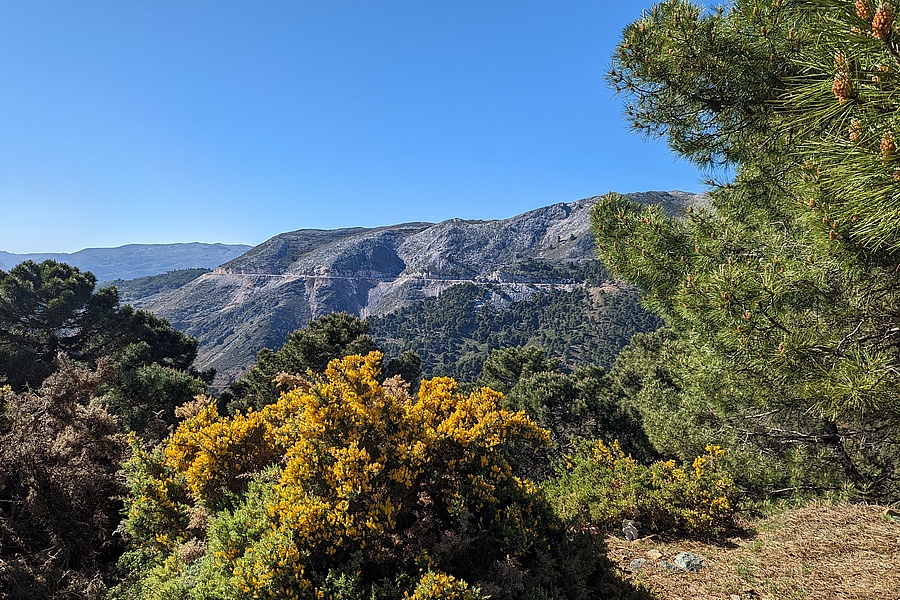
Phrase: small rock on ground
(670, 566)
(689, 561)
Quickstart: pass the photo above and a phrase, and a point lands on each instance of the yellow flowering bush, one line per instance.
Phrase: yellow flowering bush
(440, 586)
(212, 453)
(602, 486)
(159, 504)
(345, 488)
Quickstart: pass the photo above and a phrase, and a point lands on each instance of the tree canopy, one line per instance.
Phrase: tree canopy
(50, 308)
(50, 311)
(780, 296)
(307, 350)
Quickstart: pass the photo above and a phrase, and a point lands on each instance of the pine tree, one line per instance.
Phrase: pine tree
(780, 307)
(307, 350)
(50, 310)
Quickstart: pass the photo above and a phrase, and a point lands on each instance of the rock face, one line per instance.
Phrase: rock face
(136, 260)
(255, 300)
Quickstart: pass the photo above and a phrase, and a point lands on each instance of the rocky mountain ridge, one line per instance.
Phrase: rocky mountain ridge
(255, 300)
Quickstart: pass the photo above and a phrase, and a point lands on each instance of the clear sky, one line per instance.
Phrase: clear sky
(225, 121)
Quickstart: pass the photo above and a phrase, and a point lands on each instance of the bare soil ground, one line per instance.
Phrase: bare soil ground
(818, 552)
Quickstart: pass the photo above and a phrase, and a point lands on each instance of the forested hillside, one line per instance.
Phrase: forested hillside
(131, 290)
(455, 332)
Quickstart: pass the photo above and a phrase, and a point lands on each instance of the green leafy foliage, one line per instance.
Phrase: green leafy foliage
(307, 350)
(843, 108)
(144, 395)
(45, 309)
(50, 307)
(707, 81)
(780, 342)
(348, 488)
(142, 287)
(534, 270)
(506, 367)
(50, 310)
(584, 405)
(407, 366)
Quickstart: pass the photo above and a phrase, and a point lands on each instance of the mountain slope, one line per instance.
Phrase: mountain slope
(455, 332)
(255, 300)
(136, 260)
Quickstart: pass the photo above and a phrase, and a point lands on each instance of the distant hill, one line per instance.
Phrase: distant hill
(255, 300)
(136, 260)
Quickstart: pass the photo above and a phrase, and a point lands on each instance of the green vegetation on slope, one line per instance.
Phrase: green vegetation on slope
(455, 332)
(776, 370)
(141, 287)
(348, 488)
(77, 371)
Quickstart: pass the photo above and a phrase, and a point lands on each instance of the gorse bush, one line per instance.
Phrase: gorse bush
(346, 488)
(440, 585)
(602, 486)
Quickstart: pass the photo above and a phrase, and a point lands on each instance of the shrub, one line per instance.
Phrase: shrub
(60, 491)
(602, 486)
(434, 586)
(348, 488)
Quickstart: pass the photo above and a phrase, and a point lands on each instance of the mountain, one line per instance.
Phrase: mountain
(255, 300)
(136, 260)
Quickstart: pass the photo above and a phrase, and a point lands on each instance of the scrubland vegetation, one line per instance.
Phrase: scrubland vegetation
(329, 471)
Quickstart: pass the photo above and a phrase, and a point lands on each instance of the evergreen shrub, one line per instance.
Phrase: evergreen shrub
(602, 486)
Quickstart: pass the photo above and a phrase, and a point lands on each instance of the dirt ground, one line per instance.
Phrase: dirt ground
(818, 552)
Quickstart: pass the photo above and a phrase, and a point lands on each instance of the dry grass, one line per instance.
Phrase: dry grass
(818, 552)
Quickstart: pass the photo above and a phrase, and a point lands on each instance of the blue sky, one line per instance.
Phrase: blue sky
(223, 121)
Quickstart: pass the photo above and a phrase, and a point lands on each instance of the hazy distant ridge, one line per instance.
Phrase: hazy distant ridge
(136, 260)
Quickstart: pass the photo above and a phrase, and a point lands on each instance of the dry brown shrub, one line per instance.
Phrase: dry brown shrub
(60, 453)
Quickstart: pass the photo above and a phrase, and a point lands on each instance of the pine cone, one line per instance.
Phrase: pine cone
(883, 22)
(856, 131)
(888, 147)
(842, 89)
(863, 10)
(840, 62)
